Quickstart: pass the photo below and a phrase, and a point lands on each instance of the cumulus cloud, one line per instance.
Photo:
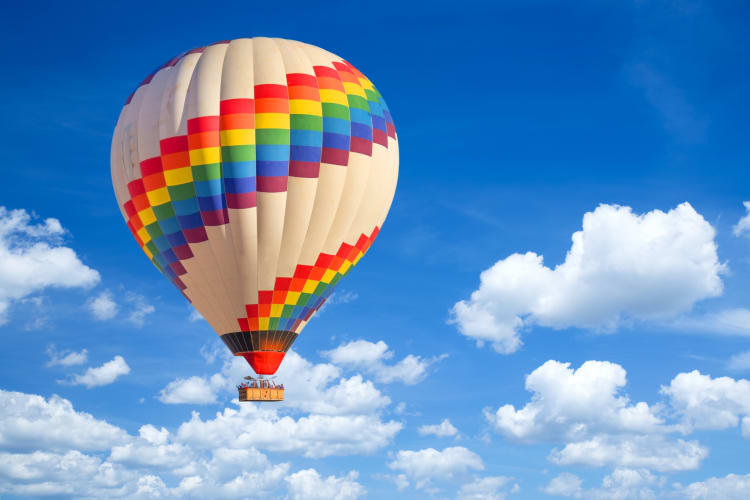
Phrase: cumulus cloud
(101, 375)
(66, 357)
(487, 488)
(730, 487)
(742, 228)
(32, 259)
(31, 422)
(192, 390)
(574, 404)
(102, 307)
(620, 267)
(727, 322)
(703, 402)
(621, 484)
(313, 436)
(598, 425)
(139, 308)
(371, 356)
(639, 451)
(443, 429)
(422, 466)
(43, 445)
(309, 485)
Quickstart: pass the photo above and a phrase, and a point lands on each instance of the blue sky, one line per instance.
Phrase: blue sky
(515, 120)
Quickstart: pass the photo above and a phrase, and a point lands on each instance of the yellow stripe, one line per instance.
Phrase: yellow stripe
(158, 196)
(178, 176)
(305, 107)
(237, 137)
(147, 217)
(292, 298)
(335, 96)
(328, 276)
(205, 156)
(310, 286)
(144, 236)
(353, 88)
(345, 267)
(271, 120)
(148, 253)
(276, 310)
(263, 323)
(366, 84)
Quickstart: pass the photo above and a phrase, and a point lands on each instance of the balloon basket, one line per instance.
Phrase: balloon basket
(260, 389)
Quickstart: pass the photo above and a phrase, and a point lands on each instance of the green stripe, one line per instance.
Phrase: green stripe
(306, 122)
(287, 311)
(181, 192)
(267, 136)
(273, 323)
(154, 251)
(356, 101)
(154, 231)
(164, 212)
(333, 110)
(207, 172)
(238, 153)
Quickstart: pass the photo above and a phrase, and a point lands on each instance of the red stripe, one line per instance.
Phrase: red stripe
(135, 188)
(265, 296)
(232, 106)
(271, 90)
(282, 283)
(379, 137)
(129, 208)
(178, 268)
(302, 271)
(360, 145)
(301, 79)
(324, 260)
(252, 310)
(270, 184)
(241, 200)
(182, 252)
(151, 166)
(179, 284)
(215, 217)
(307, 169)
(175, 144)
(326, 71)
(244, 325)
(391, 130)
(203, 124)
(335, 156)
(195, 235)
(344, 250)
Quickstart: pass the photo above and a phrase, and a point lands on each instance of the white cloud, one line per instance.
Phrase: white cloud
(708, 403)
(727, 322)
(192, 390)
(742, 227)
(66, 357)
(645, 451)
(443, 429)
(317, 388)
(730, 487)
(370, 357)
(41, 442)
(32, 259)
(195, 316)
(424, 465)
(140, 308)
(739, 361)
(103, 306)
(620, 267)
(622, 484)
(32, 422)
(313, 436)
(564, 485)
(486, 488)
(309, 485)
(572, 404)
(101, 375)
(339, 297)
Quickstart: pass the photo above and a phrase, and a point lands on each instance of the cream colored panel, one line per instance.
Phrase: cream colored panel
(237, 83)
(375, 197)
(269, 69)
(357, 174)
(301, 191)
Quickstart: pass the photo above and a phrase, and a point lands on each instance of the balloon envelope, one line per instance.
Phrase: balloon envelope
(254, 174)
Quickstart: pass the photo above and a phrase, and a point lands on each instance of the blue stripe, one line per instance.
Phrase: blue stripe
(360, 130)
(169, 225)
(336, 141)
(208, 188)
(336, 125)
(271, 152)
(176, 239)
(306, 153)
(185, 207)
(306, 138)
(161, 243)
(244, 185)
(360, 116)
(238, 169)
(190, 221)
(273, 168)
(211, 203)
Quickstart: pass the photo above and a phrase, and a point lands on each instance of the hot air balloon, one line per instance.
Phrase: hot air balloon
(254, 174)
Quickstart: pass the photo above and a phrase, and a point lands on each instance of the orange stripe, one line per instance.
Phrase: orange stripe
(204, 140)
(175, 160)
(237, 121)
(325, 82)
(271, 105)
(301, 92)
